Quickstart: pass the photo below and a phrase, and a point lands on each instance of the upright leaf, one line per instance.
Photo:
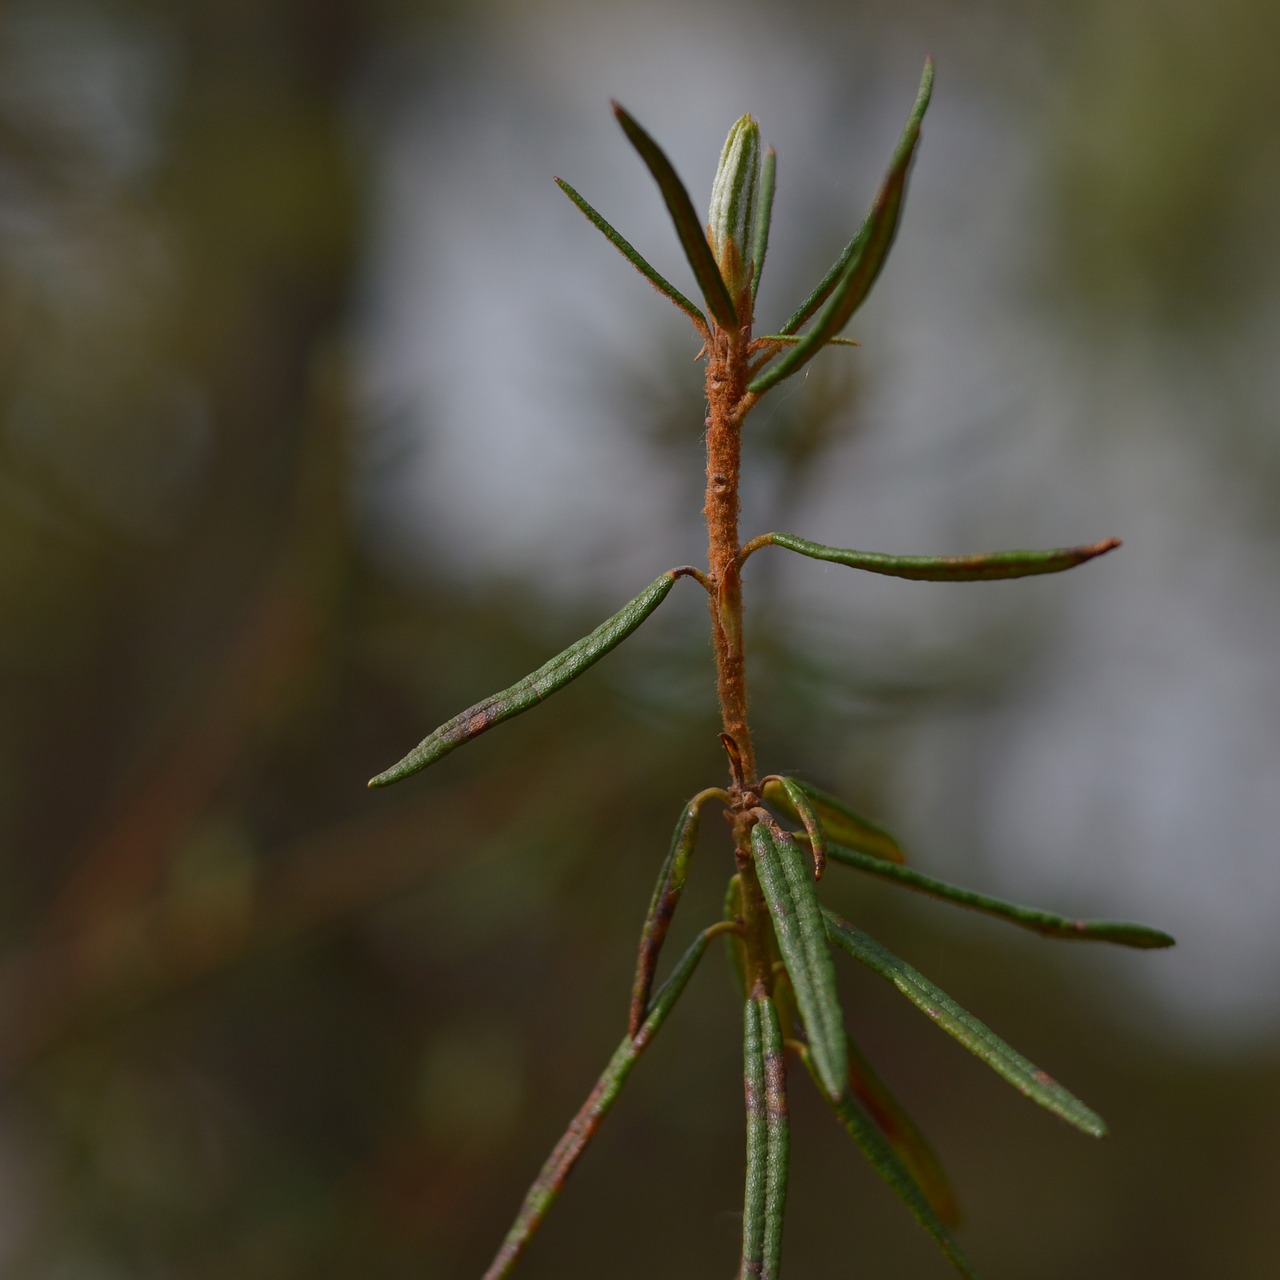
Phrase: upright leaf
(986, 567)
(689, 227)
(839, 822)
(847, 285)
(976, 1036)
(633, 256)
(764, 218)
(526, 693)
(787, 881)
(872, 1143)
(1121, 932)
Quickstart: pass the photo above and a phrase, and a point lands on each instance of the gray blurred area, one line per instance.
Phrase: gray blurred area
(323, 413)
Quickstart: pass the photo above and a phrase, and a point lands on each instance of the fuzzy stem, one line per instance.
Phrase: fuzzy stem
(728, 403)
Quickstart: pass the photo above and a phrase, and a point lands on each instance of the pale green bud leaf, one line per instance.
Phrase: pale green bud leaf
(732, 215)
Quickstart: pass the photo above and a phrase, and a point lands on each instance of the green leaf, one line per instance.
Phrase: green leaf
(633, 256)
(787, 881)
(847, 285)
(731, 215)
(800, 805)
(734, 910)
(764, 218)
(1121, 932)
(976, 1036)
(838, 820)
(790, 340)
(903, 1135)
(885, 1162)
(987, 567)
(768, 1139)
(689, 227)
(526, 693)
(662, 906)
(549, 1182)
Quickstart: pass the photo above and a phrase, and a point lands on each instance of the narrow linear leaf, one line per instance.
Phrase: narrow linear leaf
(1121, 932)
(768, 1139)
(634, 257)
(838, 820)
(804, 810)
(958, 1022)
(753, 1195)
(872, 1143)
(689, 227)
(733, 912)
(843, 290)
(662, 906)
(787, 881)
(903, 1135)
(990, 566)
(764, 217)
(526, 693)
(550, 1181)
(790, 340)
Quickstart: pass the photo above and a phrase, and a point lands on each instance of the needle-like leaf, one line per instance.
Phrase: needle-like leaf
(689, 227)
(764, 217)
(903, 1135)
(633, 256)
(846, 286)
(838, 820)
(662, 905)
(1121, 932)
(976, 1036)
(549, 1182)
(787, 880)
(989, 566)
(536, 686)
(885, 1162)
(768, 1139)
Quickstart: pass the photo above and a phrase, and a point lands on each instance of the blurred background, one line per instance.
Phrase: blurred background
(323, 413)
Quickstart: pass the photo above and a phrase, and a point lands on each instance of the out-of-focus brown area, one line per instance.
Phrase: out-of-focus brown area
(258, 1022)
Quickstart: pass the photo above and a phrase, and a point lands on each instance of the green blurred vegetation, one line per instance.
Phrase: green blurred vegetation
(256, 1022)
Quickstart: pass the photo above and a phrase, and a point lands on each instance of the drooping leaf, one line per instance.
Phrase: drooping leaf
(768, 1139)
(633, 256)
(976, 1036)
(903, 1135)
(787, 881)
(1121, 932)
(662, 906)
(987, 567)
(872, 1143)
(805, 811)
(689, 227)
(733, 912)
(549, 1182)
(844, 289)
(536, 686)
(838, 821)
(764, 218)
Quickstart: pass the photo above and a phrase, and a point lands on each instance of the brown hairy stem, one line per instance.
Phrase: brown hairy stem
(728, 402)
